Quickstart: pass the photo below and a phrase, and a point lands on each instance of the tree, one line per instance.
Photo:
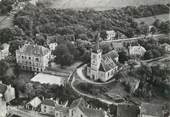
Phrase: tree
(123, 56)
(3, 68)
(165, 27)
(153, 30)
(148, 55)
(66, 59)
(106, 48)
(144, 28)
(14, 46)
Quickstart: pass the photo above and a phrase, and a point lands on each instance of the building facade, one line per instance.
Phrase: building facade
(3, 108)
(33, 57)
(136, 50)
(111, 35)
(48, 107)
(5, 51)
(102, 67)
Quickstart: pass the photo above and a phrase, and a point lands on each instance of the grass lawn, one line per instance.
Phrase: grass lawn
(150, 20)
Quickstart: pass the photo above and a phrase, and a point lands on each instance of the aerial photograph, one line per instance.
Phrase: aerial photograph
(84, 58)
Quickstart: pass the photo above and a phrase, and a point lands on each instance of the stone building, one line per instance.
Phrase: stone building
(33, 57)
(102, 67)
(5, 51)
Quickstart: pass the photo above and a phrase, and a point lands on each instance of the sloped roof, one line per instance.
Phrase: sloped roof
(36, 50)
(138, 49)
(92, 112)
(3, 88)
(127, 110)
(108, 61)
(61, 108)
(78, 103)
(35, 102)
(151, 109)
(49, 102)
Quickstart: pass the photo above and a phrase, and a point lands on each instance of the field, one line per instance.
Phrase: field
(103, 4)
(150, 20)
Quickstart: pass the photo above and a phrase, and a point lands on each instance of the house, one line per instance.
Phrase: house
(79, 109)
(3, 108)
(151, 110)
(111, 35)
(52, 46)
(7, 91)
(166, 47)
(102, 67)
(61, 111)
(48, 106)
(136, 50)
(5, 51)
(33, 57)
(33, 104)
(34, 2)
(127, 110)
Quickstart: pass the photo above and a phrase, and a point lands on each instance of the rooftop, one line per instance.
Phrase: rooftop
(35, 50)
(49, 102)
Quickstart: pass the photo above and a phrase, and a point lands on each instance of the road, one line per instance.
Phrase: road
(134, 38)
(72, 80)
(24, 113)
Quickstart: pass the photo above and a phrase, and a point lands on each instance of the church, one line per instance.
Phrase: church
(102, 66)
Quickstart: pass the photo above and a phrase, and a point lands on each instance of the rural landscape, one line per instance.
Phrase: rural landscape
(91, 58)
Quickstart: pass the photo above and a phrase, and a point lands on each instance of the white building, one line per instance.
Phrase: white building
(52, 46)
(3, 109)
(102, 67)
(5, 51)
(136, 50)
(33, 57)
(111, 35)
(34, 2)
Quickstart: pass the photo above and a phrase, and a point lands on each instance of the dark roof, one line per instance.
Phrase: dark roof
(92, 113)
(3, 88)
(127, 110)
(49, 102)
(108, 61)
(61, 108)
(151, 109)
(36, 50)
(78, 103)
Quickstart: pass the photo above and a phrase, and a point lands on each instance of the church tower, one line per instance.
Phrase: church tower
(96, 57)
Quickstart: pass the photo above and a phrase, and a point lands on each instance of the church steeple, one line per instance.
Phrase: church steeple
(97, 45)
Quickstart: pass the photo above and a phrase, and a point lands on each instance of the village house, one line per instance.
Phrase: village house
(7, 91)
(102, 67)
(136, 51)
(3, 108)
(110, 35)
(5, 51)
(151, 110)
(7, 94)
(78, 108)
(48, 106)
(33, 104)
(52, 46)
(33, 57)
(166, 47)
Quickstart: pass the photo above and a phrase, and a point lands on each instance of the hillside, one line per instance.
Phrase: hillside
(103, 4)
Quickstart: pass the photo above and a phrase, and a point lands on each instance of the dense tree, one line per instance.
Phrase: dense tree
(123, 56)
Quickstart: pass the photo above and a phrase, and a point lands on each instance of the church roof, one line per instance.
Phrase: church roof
(35, 50)
(108, 61)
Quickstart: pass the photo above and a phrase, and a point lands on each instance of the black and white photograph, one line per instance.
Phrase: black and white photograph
(84, 58)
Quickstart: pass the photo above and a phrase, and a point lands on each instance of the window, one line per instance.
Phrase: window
(29, 58)
(22, 57)
(37, 59)
(81, 116)
(72, 112)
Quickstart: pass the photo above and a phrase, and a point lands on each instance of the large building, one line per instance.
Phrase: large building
(102, 67)
(33, 57)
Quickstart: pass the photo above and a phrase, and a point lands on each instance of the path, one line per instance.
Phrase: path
(72, 80)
